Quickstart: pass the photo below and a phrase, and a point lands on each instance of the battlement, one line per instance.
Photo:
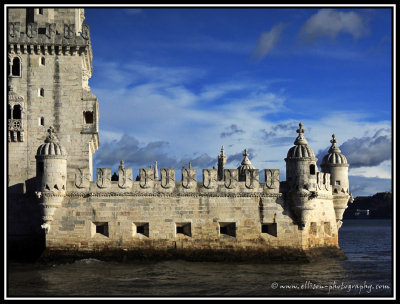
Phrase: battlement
(47, 40)
(148, 181)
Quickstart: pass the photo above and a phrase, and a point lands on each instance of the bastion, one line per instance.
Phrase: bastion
(228, 215)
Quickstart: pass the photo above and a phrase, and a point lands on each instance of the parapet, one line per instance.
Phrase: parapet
(148, 182)
(44, 40)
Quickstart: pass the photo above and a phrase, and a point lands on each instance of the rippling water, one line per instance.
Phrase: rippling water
(367, 272)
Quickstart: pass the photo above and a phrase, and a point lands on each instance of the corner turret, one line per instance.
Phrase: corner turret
(336, 164)
(301, 177)
(51, 174)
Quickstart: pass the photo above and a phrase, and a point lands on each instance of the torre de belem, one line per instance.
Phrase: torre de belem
(52, 136)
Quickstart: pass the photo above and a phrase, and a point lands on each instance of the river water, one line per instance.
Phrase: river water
(367, 272)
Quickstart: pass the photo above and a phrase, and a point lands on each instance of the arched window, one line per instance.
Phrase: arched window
(42, 61)
(312, 169)
(17, 112)
(41, 92)
(16, 67)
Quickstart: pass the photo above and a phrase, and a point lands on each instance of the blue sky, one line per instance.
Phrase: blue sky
(175, 84)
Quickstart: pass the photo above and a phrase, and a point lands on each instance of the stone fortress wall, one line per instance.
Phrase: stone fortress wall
(49, 65)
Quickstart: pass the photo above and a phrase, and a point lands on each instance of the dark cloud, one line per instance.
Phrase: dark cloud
(365, 151)
(236, 159)
(232, 129)
(272, 138)
(128, 149)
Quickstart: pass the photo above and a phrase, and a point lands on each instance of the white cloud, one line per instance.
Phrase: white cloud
(330, 22)
(267, 41)
(191, 121)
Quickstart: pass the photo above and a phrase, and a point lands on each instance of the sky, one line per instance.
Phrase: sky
(175, 84)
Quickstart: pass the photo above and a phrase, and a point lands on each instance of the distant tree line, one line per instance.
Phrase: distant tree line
(380, 206)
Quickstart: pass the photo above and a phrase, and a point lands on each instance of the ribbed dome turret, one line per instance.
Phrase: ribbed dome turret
(301, 148)
(51, 147)
(334, 156)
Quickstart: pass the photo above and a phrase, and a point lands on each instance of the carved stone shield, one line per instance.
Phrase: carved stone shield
(188, 178)
(103, 177)
(146, 177)
(32, 30)
(69, 31)
(167, 178)
(81, 178)
(231, 177)
(210, 178)
(272, 178)
(252, 178)
(125, 177)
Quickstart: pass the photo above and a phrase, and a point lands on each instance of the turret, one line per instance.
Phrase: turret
(245, 165)
(301, 164)
(51, 174)
(221, 163)
(336, 164)
(301, 178)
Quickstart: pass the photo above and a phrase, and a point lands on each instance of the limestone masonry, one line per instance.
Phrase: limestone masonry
(53, 134)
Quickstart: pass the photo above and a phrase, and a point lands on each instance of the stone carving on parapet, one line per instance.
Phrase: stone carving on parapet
(103, 177)
(124, 176)
(50, 30)
(210, 178)
(167, 178)
(69, 30)
(81, 178)
(252, 178)
(32, 30)
(85, 31)
(231, 178)
(188, 178)
(272, 178)
(146, 177)
(13, 29)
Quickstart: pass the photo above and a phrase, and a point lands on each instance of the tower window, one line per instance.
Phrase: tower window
(337, 183)
(16, 67)
(17, 112)
(312, 169)
(42, 61)
(41, 92)
(40, 11)
(41, 121)
(88, 117)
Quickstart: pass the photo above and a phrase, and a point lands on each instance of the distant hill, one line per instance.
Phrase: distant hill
(380, 206)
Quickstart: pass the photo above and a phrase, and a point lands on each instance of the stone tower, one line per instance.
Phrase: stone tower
(49, 65)
(301, 177)
(336, 164)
